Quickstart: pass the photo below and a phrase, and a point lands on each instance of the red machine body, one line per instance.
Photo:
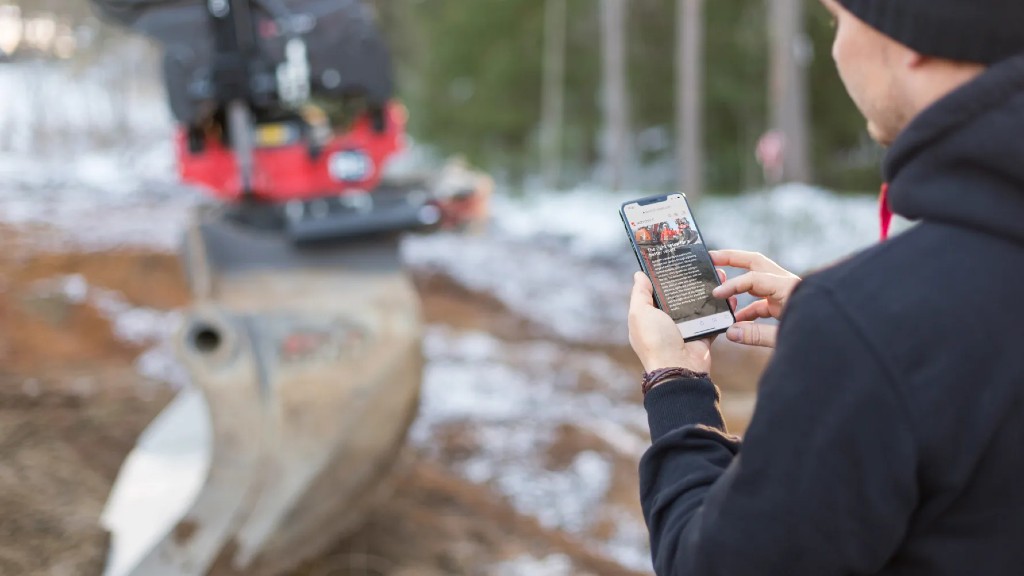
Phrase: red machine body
(285, 168)
(291, 125)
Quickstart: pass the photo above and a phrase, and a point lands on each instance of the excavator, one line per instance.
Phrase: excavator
(302, 343)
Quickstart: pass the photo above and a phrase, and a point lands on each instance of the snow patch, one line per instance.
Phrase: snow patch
(553, 565)
(537, 492)
(160, 363)
(800, 226)
(90, 153)
(133, 325)
(67, 108)
(562, 260)
(576, 299)
(514, 400)
(629, 543)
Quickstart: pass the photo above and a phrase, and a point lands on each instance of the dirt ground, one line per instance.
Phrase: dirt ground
(72, 405)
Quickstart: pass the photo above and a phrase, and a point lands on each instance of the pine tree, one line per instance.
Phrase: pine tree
(690, 92)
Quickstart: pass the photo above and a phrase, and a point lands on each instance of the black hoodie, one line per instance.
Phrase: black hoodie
(889, 432)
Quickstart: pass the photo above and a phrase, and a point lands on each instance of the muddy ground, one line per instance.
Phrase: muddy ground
(72, 405)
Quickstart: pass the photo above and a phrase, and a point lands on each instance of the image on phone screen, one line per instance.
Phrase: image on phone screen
(672, 252)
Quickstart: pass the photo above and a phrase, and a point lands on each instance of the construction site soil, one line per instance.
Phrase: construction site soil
(72, 405)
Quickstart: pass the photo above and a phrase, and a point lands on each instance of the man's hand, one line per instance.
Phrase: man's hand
(655, 337)
(766, 280)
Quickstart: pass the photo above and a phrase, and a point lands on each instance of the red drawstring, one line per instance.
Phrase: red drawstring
(884, 212)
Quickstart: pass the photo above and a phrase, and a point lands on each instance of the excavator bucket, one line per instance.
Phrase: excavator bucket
(308, 364)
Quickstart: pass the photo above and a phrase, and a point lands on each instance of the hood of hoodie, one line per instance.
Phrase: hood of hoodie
(961, 161)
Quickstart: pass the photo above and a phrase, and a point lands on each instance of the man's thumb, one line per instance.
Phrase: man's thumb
(753, 334)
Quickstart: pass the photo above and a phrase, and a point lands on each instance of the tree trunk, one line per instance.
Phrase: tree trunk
(790, 57)
(689, 95)
(553, 104)
(616, 148)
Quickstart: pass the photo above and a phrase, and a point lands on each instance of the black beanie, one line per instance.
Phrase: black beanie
(981, 31)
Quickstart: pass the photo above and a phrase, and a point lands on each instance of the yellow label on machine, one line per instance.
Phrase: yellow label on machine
(271, 135)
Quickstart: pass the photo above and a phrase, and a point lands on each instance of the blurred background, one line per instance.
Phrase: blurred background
(523, 457)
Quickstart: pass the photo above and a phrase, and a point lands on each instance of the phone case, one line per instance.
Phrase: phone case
(640, 261)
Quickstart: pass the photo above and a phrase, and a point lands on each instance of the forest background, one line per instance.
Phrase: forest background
(555, 94)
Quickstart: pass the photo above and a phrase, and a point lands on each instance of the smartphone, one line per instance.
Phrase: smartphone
(671, 251)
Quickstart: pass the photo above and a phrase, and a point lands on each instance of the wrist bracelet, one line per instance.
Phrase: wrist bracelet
(655, 377)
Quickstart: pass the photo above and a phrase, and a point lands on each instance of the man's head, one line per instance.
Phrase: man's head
(898, 57)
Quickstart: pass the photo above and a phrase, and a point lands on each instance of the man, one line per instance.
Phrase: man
(889, 433)
(689, 235)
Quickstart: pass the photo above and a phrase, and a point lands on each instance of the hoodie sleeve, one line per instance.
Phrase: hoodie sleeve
(826, 482)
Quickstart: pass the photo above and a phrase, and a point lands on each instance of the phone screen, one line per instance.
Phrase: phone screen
(673, 254)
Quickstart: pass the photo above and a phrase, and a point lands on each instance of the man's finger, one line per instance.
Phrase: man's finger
(753, 261)
(759, 309)
(722, 276)
(751, 334)
(760, 284)
(643, 292)
(640, 280)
